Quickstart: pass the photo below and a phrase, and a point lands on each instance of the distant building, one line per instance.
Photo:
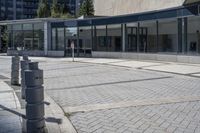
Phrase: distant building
(162, 30)
(120, 7)
(26, 9)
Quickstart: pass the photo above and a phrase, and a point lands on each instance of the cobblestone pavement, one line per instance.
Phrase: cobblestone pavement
(82, 84)
(168, 118)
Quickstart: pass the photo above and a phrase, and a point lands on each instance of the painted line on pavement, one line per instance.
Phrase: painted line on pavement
(135, 103)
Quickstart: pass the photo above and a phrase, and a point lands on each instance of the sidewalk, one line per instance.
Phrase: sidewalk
(12, 109)
(187, 69)
(10, 121)
(159, 66)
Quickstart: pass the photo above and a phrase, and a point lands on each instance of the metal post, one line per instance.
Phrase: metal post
(72, 47)
(185, 37)
(24, 66)
(180, 31)
(73, 54)
(0, 40)
(123, 37)
(138, 37)
(157, 36)
(35, 122)
(15, 70)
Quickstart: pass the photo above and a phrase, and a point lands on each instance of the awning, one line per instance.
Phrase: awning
(190, 1)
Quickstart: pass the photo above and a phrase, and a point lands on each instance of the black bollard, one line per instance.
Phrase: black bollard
(35, 122)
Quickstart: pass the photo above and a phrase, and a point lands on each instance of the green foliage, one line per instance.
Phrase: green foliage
(59, 11)
(64, 9)
(43, 9)
(55, 11)
(87, 8)
(66, 15)
(4, 37)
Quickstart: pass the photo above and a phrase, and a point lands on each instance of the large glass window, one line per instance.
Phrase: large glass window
(193, 38)
(100, 38)
(148, 36)
(53, 39)
(108, 38)
(168, 36)
(61, 38)
(38, 41)
(114, 37)
(28, 36)
(71, 36)
(58, 39)
(131, 37)
(85, 40)
(10, 37)
(142, 39)
(18, 36)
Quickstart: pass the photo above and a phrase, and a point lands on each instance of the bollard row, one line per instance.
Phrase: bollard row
(24, 66)
(15, 70)
(34, 92)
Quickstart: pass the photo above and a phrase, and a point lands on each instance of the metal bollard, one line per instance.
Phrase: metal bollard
(35, 122)
(24, 66)
(15, 70)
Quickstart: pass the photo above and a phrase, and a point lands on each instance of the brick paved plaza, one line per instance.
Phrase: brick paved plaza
(104, 96)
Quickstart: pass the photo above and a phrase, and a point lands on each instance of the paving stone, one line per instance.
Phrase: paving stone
(162, 124)
(80, 84)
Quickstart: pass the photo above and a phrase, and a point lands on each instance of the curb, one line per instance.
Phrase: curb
(55, 113)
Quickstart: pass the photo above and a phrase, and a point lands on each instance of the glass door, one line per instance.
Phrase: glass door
(132, 39)
(143, 40)
(71, 38)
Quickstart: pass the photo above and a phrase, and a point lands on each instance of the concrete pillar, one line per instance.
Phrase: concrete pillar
(0, 40)
(180, 32)
(157, 36)
(123, 37)
(15, 70)
(47, 37)
(185, 35)
(35, 121)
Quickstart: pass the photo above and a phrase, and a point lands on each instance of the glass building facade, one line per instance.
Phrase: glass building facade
(172, 32)
(26, 36)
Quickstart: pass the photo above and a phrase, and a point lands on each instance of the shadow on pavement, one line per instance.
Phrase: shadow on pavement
(12, 111)
(53, 120)
(109, 83)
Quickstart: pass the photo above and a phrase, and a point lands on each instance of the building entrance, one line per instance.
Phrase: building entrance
(143, 40)
(80, 48)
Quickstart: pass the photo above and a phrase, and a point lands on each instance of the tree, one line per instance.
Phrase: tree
(87, 8)
(43, 9)
(64, 9)
(55, 10)
(4, 38)
(60, 11)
